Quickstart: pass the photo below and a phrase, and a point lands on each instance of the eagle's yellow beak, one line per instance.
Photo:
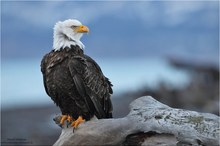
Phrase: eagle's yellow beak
(82, 29)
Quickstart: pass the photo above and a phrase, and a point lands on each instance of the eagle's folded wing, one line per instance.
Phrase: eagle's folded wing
(92, 85)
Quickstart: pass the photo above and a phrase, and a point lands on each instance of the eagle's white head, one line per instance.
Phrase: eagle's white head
(67, 33)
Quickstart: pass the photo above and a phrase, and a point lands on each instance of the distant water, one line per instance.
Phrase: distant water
(22, 84)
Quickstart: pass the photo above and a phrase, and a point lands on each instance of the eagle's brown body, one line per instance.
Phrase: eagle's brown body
(76, 84)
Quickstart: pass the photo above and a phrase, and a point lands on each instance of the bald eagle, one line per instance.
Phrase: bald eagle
(73, 80)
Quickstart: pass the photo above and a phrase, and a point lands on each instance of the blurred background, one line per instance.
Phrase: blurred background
(166, 49)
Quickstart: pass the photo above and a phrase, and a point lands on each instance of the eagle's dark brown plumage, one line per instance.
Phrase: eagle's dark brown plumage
(76, 84)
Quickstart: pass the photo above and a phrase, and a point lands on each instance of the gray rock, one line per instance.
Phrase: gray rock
(147, 115)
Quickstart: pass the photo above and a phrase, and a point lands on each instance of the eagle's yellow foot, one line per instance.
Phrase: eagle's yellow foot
(63, 118)
(69, 118)
(77, 122)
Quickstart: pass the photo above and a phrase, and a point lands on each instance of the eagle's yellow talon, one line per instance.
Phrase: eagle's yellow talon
(69, 118)
(76, 123)
(63, 118)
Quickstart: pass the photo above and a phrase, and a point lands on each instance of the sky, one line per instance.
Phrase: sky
(129, 40)
(180, 29)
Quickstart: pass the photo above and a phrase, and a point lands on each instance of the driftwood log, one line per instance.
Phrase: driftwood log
(148, 123)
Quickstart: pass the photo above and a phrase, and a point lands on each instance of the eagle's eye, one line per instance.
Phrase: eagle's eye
(73, 26)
